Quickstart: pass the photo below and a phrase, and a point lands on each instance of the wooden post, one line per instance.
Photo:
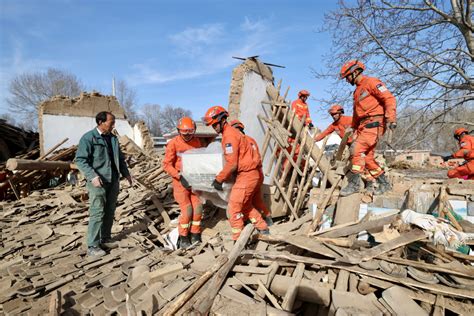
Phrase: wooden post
(186, 295)
(292, 291)
(204, 301)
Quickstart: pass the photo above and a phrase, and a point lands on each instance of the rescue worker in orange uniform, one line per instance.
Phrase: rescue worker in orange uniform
(257, 200)
(243, 162)
(466, 151)
(374, 111)
(300, 107)
(189, 227)
(340, 125)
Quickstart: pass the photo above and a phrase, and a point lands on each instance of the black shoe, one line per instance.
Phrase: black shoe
(183, 242)
(353, 186)
(384, 186)
(195, 238)
(370, 187)
(108, 243)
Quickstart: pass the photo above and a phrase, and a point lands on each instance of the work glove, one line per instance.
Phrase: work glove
(310, 125)
(217, 185)
(446, 158)
(97, 182)
(392, 125)
(184, 182)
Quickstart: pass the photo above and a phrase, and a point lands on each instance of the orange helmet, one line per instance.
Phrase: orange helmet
(303, 92)
(336, 108)
(458, 133)
(237, 124)
(214, 115)
(186, 126)
(350, 67)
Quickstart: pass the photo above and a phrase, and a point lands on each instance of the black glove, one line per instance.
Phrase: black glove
(217, 185)
(184, 182)
(392, 125)
(310, 125)
(446, 158)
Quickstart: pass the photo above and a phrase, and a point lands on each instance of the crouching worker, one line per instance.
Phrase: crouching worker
(257, 200)
(241, 161)
(466, 151)
(189, 227)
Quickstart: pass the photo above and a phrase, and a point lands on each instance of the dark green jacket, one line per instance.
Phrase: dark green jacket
(93, 160)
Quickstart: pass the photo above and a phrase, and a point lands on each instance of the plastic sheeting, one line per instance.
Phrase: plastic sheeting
(200, 167)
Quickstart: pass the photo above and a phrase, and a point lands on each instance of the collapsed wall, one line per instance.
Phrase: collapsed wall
(62, 117)
(248, 100)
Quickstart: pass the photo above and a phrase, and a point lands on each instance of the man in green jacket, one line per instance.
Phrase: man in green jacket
(99, 158)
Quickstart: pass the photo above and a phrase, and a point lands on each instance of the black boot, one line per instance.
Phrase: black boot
(183, 242)
(384, 186)
(195, 238)
(370, 187)
(353, 186)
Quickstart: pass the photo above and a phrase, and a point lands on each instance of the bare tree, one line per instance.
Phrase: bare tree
(151, 114)
(422, 49)
(127, 97)
(28, 90)
(170, 116)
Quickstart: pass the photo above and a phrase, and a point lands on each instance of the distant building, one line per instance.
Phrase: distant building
(416, 157)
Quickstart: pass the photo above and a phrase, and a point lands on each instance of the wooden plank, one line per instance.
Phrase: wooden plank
(319, 215)
(270, 296)
(355, 229)
(205, 300)
(401, 303)
(161, 209)
(302, 242)
(357, 256)
(292, 291)
(342, 281)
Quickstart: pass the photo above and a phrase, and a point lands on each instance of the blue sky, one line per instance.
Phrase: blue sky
(170, 52)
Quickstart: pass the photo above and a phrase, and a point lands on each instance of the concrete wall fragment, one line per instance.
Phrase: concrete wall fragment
(62, 117)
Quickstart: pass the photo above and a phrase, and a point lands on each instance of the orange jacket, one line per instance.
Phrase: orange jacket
(238, 153)
(253, 144)
(174, 149)
(339, 126)
(372, 98)
(301, 108)
(466, 150)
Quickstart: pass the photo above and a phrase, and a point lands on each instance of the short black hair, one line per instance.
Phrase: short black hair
(102, 117)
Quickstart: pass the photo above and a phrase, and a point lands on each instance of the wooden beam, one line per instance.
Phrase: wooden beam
(26, 164)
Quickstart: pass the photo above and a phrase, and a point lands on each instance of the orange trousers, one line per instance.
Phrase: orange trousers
(191, 209)
(363, 156)
(240, 207)
(466, 170)
(257, 201)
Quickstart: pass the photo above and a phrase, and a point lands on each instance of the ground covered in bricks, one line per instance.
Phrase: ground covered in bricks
(407, 252)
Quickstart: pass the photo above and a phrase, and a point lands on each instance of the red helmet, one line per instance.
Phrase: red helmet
(214, 115)
(303, 92)
(458, 133)
(336, 108)
(237, 124)
(350, 67)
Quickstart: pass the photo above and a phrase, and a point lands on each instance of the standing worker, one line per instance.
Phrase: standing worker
(243, 162)
(99, 158)
(466, 151)
(257, 200)
(300, 107)
(189, 203)
(374, 111)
